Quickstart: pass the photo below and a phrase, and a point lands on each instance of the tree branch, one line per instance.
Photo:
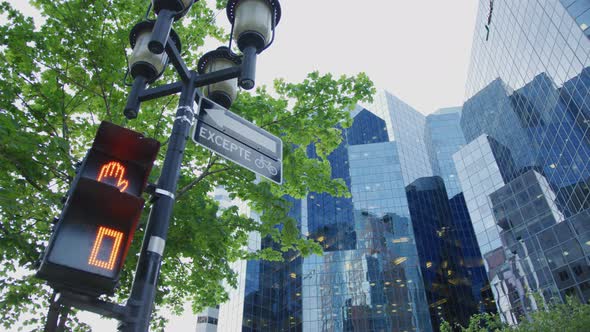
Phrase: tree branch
(64, 124)
(36, 116)
(26, 177)
(105, 98)
(70, 80)
(60, 175)
(212, 159)
(35, 84)
(157, 128)
(197, 180)
(294, 114)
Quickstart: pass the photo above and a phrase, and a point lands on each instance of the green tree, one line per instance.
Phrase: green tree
(483, 322)
(59, 79)
(571, 316)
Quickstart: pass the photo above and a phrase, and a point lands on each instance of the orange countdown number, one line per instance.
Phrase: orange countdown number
(117, 237)
(114, 171)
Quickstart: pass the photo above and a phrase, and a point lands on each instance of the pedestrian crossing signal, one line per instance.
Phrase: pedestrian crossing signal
(88, 247)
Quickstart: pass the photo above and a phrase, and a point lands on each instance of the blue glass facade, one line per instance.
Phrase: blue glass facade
(444, 137)
(272, 296)
(580, 11)
(447, 282)
(406, 127)
(524, 209)
(462, 231)
(525, 168)
(480, 169)
(542, 250)
(374, 275)
(368, 278)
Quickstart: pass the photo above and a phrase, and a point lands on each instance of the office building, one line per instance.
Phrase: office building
(370, 275)
(452, 269)
(444, 137)
(525, 169)
(462, 231)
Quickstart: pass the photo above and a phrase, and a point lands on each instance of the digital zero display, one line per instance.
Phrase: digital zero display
(112, 248)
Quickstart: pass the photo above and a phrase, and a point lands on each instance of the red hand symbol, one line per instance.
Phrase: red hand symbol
(114, 170)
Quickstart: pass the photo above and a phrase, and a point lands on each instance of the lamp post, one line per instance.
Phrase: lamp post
(253, 25)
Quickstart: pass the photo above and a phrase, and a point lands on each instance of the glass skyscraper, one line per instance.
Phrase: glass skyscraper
(370, 277)
(525, 170)
(452, 269)
(444, 137)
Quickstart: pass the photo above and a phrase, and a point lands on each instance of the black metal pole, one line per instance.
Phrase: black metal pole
(143, 291)
(52, 314)
(161, 31)
(248, 77)
(132, 107)
(65, 311)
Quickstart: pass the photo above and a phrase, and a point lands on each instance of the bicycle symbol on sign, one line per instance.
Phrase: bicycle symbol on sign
(263, 163)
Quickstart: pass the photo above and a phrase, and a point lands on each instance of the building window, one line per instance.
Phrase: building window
(206, 320)
(563, 275)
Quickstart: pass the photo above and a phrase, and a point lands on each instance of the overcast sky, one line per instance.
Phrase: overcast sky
(417, 49)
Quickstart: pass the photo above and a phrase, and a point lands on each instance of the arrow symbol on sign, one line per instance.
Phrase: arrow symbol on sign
(223, 121)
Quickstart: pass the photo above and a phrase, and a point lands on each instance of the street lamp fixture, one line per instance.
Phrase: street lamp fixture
(143, 62)
(224, 92)
(253, 27)
(253, 22)
(167, 11)
(145, 67)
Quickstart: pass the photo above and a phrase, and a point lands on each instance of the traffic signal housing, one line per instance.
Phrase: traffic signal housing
(88, 247)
